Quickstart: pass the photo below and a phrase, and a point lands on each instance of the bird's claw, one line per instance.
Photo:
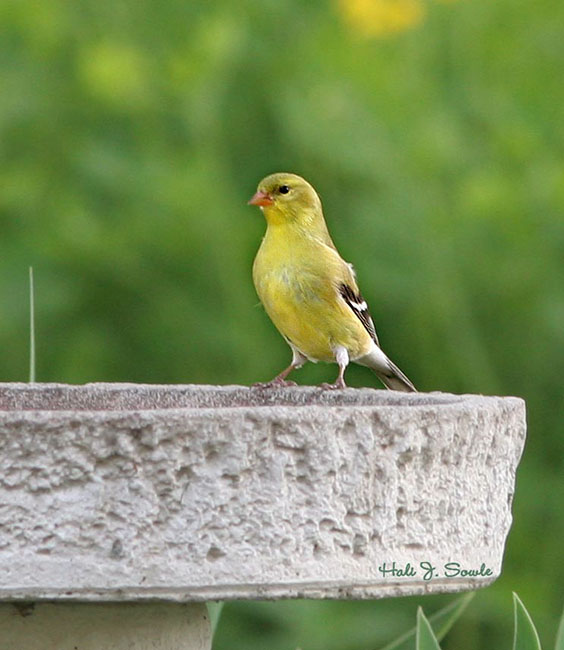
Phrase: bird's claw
(336, 386)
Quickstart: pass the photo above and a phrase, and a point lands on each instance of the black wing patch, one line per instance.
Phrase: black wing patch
(358, 305)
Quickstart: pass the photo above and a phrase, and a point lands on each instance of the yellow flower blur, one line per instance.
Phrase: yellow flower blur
(374, 18)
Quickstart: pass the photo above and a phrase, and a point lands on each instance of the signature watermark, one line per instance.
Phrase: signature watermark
(428, 571)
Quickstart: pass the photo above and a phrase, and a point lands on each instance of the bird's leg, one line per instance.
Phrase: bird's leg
(342, 358)
(280, 380)
(298, 361)
(340, 381)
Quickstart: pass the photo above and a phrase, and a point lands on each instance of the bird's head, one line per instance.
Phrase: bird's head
(285, 198)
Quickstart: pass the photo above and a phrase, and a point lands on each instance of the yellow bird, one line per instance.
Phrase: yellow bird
(309, 291)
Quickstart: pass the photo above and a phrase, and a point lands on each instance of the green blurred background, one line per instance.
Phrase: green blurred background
(132, 135)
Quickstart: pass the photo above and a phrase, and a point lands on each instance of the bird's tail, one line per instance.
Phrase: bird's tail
(387, 371)
(395, 379)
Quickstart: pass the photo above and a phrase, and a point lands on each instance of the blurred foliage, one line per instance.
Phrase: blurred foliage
(131, 136)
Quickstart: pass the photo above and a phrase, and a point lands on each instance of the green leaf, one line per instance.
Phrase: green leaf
(560, 635)
(214, 611)
(425, 637)
(442, 621)
(526, 637)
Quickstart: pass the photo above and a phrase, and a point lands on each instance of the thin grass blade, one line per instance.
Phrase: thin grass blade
(425, 637)
(441, 622)
(214, 611)
(525, 635)
(31, 327)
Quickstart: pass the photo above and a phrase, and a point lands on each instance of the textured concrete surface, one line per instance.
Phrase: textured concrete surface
(188, 493)
(115, 626)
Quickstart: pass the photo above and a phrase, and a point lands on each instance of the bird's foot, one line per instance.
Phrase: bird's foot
(338, 385)
(274, 383)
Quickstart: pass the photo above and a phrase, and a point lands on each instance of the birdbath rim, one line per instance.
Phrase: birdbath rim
(122, 397)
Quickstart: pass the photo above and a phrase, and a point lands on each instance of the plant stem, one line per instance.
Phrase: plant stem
(31, 328)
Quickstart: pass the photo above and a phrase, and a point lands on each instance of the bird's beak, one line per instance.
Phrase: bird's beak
(262, 199)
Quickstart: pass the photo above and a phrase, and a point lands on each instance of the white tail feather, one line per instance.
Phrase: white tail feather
(388, 373)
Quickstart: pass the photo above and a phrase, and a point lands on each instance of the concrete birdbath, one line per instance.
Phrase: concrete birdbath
(124, 508)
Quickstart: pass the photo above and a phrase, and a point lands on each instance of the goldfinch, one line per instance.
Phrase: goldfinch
(309, 292)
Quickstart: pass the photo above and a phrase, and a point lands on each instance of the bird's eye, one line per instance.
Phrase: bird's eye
(283, 189)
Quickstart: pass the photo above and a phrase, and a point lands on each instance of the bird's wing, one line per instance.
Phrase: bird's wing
(349, 292)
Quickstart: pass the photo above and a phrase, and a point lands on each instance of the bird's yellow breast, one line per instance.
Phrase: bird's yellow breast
(298, 287)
